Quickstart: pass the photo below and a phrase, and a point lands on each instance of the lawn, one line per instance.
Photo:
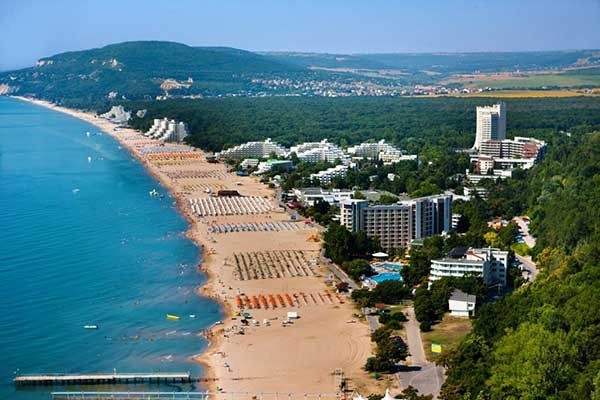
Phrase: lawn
(449, 332)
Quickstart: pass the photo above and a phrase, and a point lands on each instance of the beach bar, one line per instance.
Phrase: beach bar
(97, 379)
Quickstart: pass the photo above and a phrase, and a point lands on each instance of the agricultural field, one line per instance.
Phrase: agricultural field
(531, 80)
(534, 93)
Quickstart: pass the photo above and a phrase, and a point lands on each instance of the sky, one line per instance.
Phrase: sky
(32, 29)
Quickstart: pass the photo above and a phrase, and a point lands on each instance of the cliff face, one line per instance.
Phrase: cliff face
(7, 89)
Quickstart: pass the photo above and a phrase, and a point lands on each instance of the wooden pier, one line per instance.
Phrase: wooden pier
(129, 396)
(102, 379)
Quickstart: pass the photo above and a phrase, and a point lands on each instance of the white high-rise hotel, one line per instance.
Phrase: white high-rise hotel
(491, 124)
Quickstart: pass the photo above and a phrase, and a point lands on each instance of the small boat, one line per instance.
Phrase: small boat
(153, 193)
(87, 134)
(90, 327)
(172, 317)
(192, 315)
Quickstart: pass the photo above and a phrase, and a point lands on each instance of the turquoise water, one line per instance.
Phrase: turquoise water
(83, 243)
(387, 276)
(392, 266)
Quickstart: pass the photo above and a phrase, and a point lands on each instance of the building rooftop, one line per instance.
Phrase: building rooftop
(459, 295)
(458, 252)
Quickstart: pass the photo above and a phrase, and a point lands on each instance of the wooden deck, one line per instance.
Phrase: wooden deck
(97, 379)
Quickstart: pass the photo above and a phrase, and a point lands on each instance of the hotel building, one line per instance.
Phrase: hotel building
(396, 225)
(261, 149)
(491, 124)
(491, 264)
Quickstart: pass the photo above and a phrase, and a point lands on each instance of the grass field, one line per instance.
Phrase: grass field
(448, 333)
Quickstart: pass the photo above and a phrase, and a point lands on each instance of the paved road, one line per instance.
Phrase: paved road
(530, 270)
(424, 376)
(337, 271)
(373, 321)
(527, 238)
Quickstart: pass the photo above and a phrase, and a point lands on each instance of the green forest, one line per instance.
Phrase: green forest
(541, 342)
(418, 125)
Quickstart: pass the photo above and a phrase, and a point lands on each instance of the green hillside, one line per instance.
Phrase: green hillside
(137, 69)
(446, 63)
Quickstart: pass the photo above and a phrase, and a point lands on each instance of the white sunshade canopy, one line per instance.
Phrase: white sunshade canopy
(379, 255)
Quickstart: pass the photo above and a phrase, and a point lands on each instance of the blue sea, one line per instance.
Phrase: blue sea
(82, 242)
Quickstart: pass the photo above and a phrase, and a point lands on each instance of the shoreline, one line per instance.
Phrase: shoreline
(203, 290)
(327, 338)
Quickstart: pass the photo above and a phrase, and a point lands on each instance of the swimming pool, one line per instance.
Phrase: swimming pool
(392, 266)
(387, 276)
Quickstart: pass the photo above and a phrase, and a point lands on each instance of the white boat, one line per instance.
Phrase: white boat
(153, 193)
(90, 327)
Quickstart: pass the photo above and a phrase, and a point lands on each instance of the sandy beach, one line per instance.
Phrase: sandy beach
(266, 273)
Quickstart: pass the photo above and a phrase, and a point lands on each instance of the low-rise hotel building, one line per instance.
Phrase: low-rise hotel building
(167, 130)
(490, 263)
(327, 176)
(259, 149)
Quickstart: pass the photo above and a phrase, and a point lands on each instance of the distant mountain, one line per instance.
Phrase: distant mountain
(444, 63)
(138, 69)
(324, 60)
(147, 69)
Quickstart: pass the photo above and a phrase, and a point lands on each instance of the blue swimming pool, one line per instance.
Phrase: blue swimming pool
(392, 266)
(387, 276)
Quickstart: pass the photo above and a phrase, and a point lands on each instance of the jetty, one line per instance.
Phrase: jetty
(129, 395)
(100, 379)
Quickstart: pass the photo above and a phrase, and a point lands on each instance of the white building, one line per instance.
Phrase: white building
(167, 130)
(117, 114)
(327, 176)
(392, 158)
(313, 152)
(310, 195)
(249, 163)
(397, 225)
(519, 147)
(491, 264)
(461, 304)
(372, 150)
(259, 149)
(491, 124)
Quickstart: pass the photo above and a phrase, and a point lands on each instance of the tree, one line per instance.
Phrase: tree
(357, 268)
(532, 363)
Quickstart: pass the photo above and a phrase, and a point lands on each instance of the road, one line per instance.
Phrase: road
(373, 321)
(530, 270)
(524, 227)
(424, 376)
(337, 271)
